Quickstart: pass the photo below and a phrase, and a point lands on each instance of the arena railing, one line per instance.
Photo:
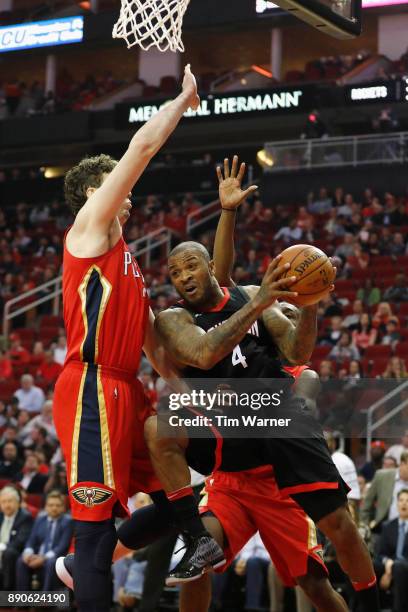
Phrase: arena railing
(294, 155)
(372, 425)
(144, 246)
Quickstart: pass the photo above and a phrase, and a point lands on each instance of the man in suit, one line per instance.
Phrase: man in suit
(381, 503)
(50, 538)
(391, 561)
(31, 480)
(15, 528)
(10, 464)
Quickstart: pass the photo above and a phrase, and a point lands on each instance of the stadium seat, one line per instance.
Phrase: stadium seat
(377, 351)
(401, 349)
(321, 352)
(51, 321)
(374, 367)
(403, 309)
(7, 389)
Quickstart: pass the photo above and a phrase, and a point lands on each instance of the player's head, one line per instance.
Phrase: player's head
(290, 311)
(191, 272)
(82, 180)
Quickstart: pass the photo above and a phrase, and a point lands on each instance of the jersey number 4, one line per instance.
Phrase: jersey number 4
(238, 358)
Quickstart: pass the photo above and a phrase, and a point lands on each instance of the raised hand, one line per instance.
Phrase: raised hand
(231, 194)
(275, 286)
(190, 88)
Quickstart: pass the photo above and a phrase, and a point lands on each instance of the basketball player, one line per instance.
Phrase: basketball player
(99, 405)
(303, 467)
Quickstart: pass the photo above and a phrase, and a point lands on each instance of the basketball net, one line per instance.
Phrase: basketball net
(151, 23)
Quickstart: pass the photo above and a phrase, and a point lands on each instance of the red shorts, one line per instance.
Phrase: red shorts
(247, 502)
(99, 414)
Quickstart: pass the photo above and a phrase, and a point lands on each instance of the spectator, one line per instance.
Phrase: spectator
(370, 295)
(30, 397)
(396, 368)
(399, 291)
(382, 315)
(396, 450)
(326, 370)
(344, 349)
(322, 205)
(347, 471)
(391, 560)
(10, 464)
(18, 354)
(353, 320)
(4, 419)
(346, 209)
(386, 121)
(377, 453)
(364, 334)
(10, 434)
(346, 249)
(45, 420)
(15, 528)
(253, 562)
(355, 370)
(315, 126)
(381, 501)
(49, 370)
(31, 480)
(38, 355)
(358, 260)
(392, 335)
(333, 333)
(37, 440)
(397, 246)
(6, 368)
(50, 538)
(335, 225)
(60, 350)
(389, 462)
(290, 234)
(57, 479)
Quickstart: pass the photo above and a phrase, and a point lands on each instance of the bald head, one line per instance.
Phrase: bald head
(190, 245)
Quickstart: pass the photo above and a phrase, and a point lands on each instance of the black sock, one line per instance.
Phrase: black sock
(94, 546)
(148, 524)
(368, 599)
(186, 513)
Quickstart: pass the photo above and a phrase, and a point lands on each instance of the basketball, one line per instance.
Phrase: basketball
(314, 271)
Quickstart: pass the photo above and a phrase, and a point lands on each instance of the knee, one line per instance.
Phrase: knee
(150, 430)
(337, 523)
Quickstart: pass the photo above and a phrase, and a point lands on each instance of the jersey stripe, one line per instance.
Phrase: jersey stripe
(94, 292)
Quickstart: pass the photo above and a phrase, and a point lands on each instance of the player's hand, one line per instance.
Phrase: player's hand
(190, 88)
(231, 194)
(240, 567)
(275, 286)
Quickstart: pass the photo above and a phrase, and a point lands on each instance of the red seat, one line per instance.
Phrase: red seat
(51, 321)
(374, 367)
(320, 352)
(402, 349)
(7, 389)
(378, 351)
(26, 335)
(35, 499)
(403, 309)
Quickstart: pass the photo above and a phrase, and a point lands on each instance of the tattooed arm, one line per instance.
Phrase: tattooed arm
(190, 345)
(295, 343)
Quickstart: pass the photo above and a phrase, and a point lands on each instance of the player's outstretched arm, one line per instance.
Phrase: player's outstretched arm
(192, 346)
(231, 196)
(105, 203)
(156, 353)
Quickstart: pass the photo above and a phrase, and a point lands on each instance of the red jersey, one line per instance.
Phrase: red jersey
(296, 371)
(105, 308)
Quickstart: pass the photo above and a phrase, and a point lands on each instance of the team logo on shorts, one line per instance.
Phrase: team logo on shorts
(91, 496)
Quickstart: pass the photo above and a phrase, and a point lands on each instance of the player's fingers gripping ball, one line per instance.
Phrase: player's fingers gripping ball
(314, 272)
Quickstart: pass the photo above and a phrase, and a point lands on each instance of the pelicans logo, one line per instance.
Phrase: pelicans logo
(91, 496)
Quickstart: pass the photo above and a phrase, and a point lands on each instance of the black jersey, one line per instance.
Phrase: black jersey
(256, 356)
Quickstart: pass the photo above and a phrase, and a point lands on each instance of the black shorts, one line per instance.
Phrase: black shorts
(304, 469)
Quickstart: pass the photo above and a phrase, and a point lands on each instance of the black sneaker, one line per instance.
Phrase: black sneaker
(64, 568)
(202, 554)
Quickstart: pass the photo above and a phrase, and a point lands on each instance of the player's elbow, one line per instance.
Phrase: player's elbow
(299, 357)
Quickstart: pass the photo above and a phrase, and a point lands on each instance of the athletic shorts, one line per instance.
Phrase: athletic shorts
(247, 502)
(99, 415)
(303, 467)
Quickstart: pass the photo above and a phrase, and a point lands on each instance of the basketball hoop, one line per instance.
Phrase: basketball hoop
(151, 23)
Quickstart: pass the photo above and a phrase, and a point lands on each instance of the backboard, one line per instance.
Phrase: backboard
(339, 18)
